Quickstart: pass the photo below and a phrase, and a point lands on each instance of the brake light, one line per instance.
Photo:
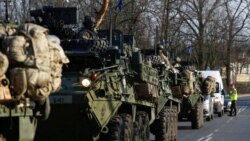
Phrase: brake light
(216, 100)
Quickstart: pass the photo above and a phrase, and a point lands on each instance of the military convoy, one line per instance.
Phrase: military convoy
(108, 92)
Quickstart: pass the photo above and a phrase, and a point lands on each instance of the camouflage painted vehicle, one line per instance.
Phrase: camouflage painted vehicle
(19, 109)
(187, 87)
(109, 94)
(17, 123)
(16, 117)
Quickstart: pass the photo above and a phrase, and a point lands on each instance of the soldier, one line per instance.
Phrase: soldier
(89, 31)
(163, 58)
(177, 62)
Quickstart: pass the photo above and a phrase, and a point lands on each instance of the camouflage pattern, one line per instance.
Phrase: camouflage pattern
(89, 31)
(209, 85)
(88, 34)
(188, 88)
(30, 53)
(4, 82)
(158, 59)
(4, 64)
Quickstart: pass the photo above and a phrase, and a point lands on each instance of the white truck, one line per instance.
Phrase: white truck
(218, 97)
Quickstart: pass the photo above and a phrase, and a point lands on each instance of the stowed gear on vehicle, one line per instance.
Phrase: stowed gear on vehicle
(30, 70)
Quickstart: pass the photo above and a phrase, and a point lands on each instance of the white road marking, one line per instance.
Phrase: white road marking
(242, 109)
(200, 139)
(210, 135)
(230, 120)
(208, 139)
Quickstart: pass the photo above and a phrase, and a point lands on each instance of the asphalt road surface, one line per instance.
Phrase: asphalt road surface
(224, 128)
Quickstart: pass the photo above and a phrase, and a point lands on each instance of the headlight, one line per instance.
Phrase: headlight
(86, 82)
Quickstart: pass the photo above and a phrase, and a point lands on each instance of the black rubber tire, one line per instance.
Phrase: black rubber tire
(128, 127)
(209, 118)
(220, 114)
(175, 123)
(120, 128)
(141, 127)
(197, 118)
(166, 125)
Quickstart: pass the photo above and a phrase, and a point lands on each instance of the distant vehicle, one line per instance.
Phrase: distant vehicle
(208, 88)
(219, 93)
(227, 103)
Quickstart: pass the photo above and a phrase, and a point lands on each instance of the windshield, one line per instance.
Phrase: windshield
(79, 62)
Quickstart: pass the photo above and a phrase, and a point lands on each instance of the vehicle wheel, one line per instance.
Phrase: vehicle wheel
(209, 118)
(197, 119)
(141, 127)
(175, 123)
(120, 128)
(128, 129)
(166, 125)
(220, 114)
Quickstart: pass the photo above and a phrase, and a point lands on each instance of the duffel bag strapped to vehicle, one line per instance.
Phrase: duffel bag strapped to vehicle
(58, 58)
(146, 91)
(209, 85)
(188, 86)
(30, 52)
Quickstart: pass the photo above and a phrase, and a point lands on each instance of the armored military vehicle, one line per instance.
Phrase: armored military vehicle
(187, 87)
(185, 84)
(109, 94)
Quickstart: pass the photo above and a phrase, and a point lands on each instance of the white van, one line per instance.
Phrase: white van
(218, 100)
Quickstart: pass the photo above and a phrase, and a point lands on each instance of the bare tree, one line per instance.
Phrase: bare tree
(236, 20)
(197, 14)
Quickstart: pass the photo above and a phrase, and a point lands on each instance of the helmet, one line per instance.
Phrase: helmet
(89, 21)
(159, 47)
(178, 59)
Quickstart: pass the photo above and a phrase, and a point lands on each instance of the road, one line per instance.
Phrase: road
(224, 128)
